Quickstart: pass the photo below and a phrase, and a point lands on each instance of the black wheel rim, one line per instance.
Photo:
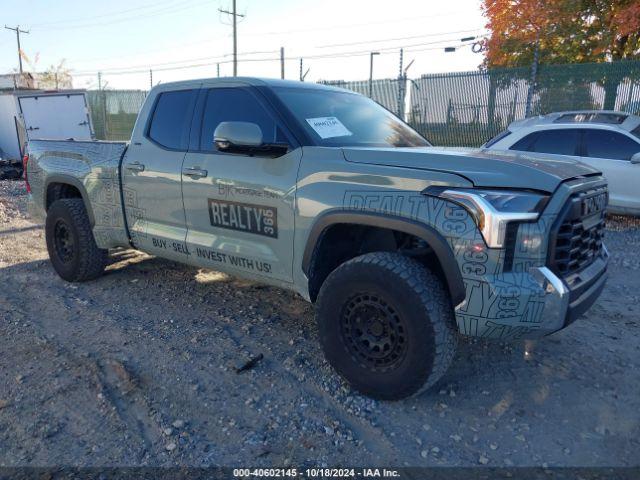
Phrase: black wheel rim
(63, 241)
(373, 332)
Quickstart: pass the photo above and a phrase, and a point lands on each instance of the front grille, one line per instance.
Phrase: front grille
(577, 236)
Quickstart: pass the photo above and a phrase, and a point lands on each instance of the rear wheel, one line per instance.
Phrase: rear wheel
(386, 325)
(72, 248)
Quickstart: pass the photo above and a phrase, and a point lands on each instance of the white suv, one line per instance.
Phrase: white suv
(606, 140)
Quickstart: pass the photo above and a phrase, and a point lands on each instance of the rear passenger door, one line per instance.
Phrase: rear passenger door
(240, 208)
(151, 175)
(611, 152)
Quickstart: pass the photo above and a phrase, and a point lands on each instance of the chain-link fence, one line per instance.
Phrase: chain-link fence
(388, 92)
(453, 109)
(466, 109)
(114, 112)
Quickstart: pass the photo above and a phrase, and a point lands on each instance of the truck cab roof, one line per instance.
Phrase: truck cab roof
(248, 81)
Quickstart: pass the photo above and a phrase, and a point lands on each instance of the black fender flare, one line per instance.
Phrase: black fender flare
(429, 234)
(74, 182)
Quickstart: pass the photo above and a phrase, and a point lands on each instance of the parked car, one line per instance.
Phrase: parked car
(322, 191)
(608, 141)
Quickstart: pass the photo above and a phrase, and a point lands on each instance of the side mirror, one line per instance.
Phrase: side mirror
(635, 158)
(237, 136)
(245, 138)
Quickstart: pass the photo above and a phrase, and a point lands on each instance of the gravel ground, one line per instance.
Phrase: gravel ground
(139, 368)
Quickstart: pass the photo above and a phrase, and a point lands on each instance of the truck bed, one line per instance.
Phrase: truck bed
(93, 168)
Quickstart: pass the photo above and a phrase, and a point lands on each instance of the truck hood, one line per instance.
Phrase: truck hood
(484, 168)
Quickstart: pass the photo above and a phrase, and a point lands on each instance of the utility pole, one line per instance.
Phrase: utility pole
(218, 69)
(103, 107)
(303, 75)
(18, 32)
(282, 63)
(234, 16)
(534, 74)
(401, 87)
(150, 78)
(371, 72)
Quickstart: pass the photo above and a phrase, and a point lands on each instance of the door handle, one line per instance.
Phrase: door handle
(135, 167)
(194, 172)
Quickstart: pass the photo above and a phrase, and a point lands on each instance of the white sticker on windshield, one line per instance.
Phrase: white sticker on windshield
(328, 127)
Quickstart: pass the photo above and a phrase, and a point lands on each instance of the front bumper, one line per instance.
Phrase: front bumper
(529, 304)
(566, 300)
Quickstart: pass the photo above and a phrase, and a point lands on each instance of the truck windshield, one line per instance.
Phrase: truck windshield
(341, 119)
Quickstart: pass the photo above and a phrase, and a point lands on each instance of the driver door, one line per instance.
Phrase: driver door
(240, 208)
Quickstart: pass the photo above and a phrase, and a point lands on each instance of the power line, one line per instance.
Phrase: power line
(93, 17)
(273, 59)
(177, 63)
(149, 14)
(397, 38)
(351, 25)
(224, 58)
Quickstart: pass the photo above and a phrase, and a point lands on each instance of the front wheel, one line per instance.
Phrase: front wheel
(386, 325)
(72, 248)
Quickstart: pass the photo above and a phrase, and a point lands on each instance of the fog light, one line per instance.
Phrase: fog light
(532, 243)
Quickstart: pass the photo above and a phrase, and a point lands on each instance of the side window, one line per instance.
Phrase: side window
(523, 144)
(236, 105)
(606, 144)
(171, 119)
(560, 142)
(497, 138)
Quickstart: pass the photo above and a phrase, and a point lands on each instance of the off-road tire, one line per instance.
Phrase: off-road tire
(72, 248)
(415, 307)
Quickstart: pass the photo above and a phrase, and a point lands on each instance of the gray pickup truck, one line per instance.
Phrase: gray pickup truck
(401, 246)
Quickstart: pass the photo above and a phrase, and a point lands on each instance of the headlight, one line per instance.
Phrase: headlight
(492, 210)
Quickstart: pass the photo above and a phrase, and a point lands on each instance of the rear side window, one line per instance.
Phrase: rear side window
(523, 144)
(497, 138)
(236, 105)
(559, 142)
(606, 144)
(171, 119)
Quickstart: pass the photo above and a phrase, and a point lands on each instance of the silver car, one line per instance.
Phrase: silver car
(608, 141)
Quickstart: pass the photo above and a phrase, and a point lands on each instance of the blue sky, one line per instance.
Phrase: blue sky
(124, 39)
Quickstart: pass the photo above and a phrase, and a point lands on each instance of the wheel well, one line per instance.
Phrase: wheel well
(56, 191)
(339, 243)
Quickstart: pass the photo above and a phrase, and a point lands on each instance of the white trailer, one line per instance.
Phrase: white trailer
(37, 115)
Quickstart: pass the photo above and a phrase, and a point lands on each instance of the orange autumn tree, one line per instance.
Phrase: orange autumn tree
(569, 31)
(565, 31)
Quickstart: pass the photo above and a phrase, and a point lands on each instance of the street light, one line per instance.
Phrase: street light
(371, 72)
